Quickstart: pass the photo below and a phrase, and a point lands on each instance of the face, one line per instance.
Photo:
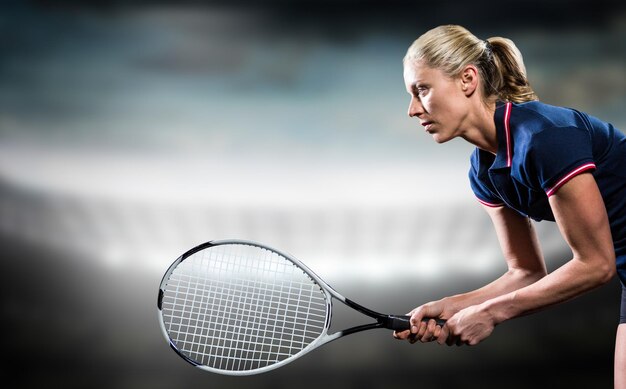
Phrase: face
(438, 101)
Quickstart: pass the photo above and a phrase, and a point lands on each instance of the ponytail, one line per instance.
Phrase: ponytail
(500, 64)
(508, 81)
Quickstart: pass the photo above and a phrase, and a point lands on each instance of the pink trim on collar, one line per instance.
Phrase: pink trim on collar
(507, 129)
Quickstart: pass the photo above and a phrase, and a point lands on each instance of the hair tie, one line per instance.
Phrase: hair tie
(488, 53)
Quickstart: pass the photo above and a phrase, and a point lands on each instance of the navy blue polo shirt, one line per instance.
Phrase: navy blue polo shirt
(540, 148)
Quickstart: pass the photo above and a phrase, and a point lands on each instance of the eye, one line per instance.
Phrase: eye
(421, 90)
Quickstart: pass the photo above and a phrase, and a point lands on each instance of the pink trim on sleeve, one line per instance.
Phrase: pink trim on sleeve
(492, 205)
(569, 176)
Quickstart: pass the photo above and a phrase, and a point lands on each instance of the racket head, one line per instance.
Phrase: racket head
(238, 307)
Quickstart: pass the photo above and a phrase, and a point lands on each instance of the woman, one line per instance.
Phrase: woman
(532, 161)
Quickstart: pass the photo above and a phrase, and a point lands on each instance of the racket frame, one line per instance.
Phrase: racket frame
(393, 322)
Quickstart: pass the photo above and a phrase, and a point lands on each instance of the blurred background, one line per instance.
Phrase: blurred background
(131, 131)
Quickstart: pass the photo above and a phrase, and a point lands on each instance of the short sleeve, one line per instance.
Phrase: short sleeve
(556, 155)
(481, 184)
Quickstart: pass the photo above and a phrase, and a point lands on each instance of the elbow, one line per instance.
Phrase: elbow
(607, 273)
(606, 270)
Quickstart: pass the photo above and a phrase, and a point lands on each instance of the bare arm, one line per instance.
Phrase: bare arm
(581, 216)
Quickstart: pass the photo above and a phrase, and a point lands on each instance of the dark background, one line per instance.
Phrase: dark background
(131, 131)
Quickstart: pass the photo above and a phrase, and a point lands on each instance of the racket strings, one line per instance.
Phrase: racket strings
(240, 307)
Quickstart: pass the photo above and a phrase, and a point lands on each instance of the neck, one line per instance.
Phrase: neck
(481, 129)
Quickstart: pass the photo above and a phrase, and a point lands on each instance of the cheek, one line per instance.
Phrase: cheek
(446, 108)
(430, 104)
(437, 107)
(438, 100)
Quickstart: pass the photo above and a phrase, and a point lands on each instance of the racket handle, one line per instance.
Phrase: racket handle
(402, 322)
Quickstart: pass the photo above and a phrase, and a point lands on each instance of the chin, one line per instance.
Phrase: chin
(440, 139)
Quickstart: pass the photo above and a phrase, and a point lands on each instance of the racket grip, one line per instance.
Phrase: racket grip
(402, 322)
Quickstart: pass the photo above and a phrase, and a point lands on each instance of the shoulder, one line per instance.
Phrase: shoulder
(549, 143)
(534, 116)
(539, 129)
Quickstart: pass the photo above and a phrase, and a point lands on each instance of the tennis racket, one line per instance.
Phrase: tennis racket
(239, 308)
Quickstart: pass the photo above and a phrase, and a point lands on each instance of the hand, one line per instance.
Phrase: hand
(423, 331)
(469, 326)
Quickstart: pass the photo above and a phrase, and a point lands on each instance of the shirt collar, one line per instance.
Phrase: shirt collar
(502, 118)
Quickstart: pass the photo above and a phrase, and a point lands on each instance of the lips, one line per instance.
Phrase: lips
(426, 125)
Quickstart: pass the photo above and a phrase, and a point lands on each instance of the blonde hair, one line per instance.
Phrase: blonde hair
(450, 48)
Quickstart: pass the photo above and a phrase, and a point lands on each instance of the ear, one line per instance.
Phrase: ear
(469, 79)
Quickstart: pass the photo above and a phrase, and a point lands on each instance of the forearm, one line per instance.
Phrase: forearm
(512, 280)
(569, 281)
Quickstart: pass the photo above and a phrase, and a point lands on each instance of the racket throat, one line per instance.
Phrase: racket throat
(392, 322)
(359, 329)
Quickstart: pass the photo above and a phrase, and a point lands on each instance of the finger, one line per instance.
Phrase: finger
(422, 331)
(436, 332)
(442, 337)
(401, 335)
(418, 315)
(432, 326)
(426, 331)
(416, 320)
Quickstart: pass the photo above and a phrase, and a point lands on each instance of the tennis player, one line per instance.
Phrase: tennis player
(532, 161)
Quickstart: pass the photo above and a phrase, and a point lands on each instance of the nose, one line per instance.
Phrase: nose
(415, 107)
